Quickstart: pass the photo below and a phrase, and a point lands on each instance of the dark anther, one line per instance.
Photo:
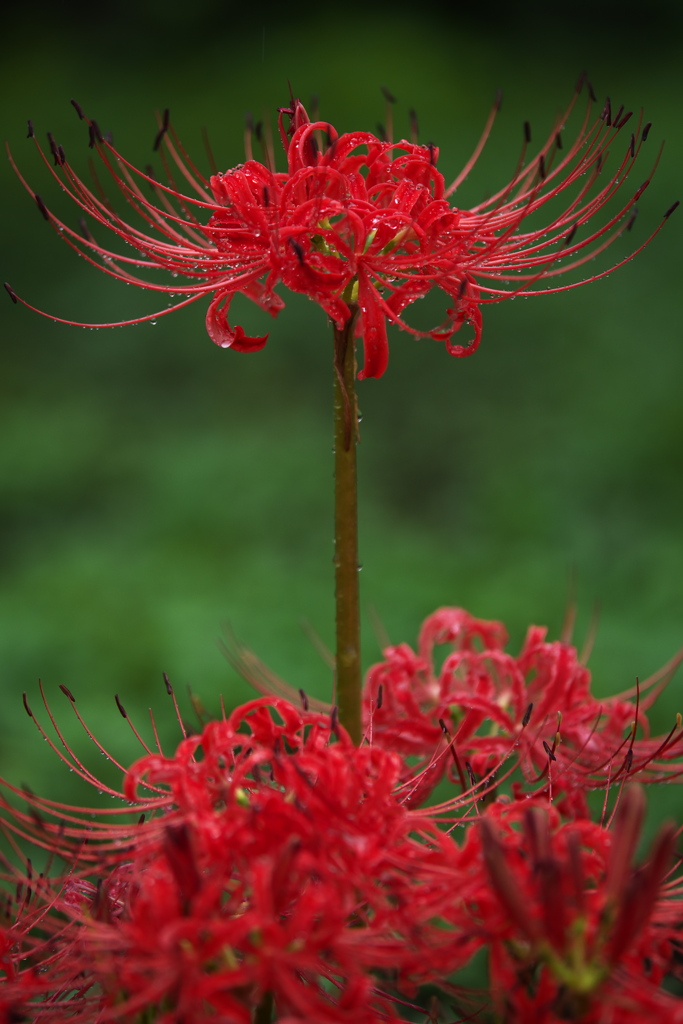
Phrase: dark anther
(618, 114)
(41, 206)
(632, 218)
(599, 162)
(96, 129)
(91, 136)
(38, 820)
(26, 707)
(627, 117)
(29, 879)
(632, 146)
(141, 819)
(580, 80)
(432, 150)
(527, 132)
(527, 715)
(388, 96)
(462, 289)
(53, 149)
(380, 697)
(606, 114)
(548, 751)
(167, 682)
(31, 132)
(412, 116)
(541, 166)
(591, 92)
(334, 719)
(120, 706)
(298, 249)
(498, 102)
(60, 154)
(671, 209)
(77, 108)
(85, 231)
(266, 196)
(304, 699)
(258, 130)
(558, 140)
(470, 771)
(249, 121)
(12, 294)
(628, 760)
(381, 132)
(162, 131)
(149, 171)
(646, 131)
(67, 692)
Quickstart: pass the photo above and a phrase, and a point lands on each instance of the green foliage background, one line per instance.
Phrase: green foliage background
(155, 488)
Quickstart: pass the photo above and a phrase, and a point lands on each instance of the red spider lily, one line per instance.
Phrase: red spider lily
(537, 705)
(275, 865)
(574, 930)
(362, 226)
(278, 866)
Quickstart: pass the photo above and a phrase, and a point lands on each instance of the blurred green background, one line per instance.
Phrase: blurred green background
(155, 488)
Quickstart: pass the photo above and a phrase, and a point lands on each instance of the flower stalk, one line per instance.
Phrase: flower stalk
(348, 668)
(263, 1014)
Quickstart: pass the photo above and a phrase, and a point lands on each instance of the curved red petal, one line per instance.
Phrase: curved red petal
(374, 330)
(220, 331)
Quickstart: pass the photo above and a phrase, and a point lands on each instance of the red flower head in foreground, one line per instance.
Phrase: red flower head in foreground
(362, 226)
(277, 864)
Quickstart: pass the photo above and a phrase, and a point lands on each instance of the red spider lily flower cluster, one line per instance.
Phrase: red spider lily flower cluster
(362, 226)
(574, 930)
(277, 866)
(537, 705)
(280, 872)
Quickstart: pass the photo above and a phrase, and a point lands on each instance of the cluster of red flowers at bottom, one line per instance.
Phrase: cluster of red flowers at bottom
(282, 873)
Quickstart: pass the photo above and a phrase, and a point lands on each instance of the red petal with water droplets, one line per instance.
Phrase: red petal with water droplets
(375, 344)
(220, 331)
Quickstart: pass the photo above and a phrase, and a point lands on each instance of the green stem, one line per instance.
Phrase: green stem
(263, 1013)
(346, 531)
